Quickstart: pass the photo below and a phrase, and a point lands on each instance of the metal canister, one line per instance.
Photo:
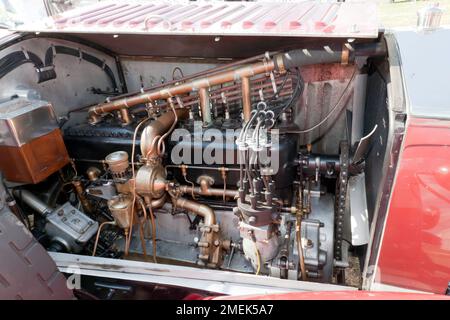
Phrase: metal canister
(121, 208)
(429, 17)
(118, 164)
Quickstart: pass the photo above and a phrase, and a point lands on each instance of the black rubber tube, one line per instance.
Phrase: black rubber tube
(302, 57)
(298, 58)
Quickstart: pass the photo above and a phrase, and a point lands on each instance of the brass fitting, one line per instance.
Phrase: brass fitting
(79, 189)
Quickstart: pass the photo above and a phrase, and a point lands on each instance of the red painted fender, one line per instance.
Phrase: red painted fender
(415, 250)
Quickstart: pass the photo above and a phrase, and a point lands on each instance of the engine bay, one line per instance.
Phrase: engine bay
(259, 165)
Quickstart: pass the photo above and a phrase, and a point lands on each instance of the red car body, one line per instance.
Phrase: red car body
(339, 295)
(415, 252)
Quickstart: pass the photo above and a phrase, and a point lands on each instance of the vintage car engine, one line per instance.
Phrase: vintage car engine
(207, 171)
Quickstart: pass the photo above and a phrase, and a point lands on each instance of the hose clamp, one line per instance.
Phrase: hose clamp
(345, 55)
(280, 64)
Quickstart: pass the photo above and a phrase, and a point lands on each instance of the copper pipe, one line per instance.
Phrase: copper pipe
(223, 173)
(125, 116)
(246, 99)
(201, 73)
(156, 128)
(206, 82)
(232, 96)
(127, 234)
(280, 62)
(205, 106)
(233, 93)
(255, 85)
(206, 190)
(152, 220)
(209, 243)
(79, 189)
(192, 76)
(199, 209)
(181, 166)
(210, 192)
(98, 235)
(204, 185)
(254, 89)
(158, 203)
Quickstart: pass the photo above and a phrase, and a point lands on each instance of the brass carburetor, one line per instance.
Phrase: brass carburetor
(149, 185)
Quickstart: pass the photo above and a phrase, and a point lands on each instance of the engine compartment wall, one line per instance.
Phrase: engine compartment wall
(152, 71)
(74, 80)
(322, 92)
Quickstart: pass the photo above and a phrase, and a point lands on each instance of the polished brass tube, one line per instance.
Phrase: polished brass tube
(205, 189)
(158, 203)
(157, 128)
(79, 189)
(125, 116)
(98, 235)
(180, 166)
(204, 185)
(233, 92)
(199, 209)
(209, 243)
(210, 192)
(246, 99)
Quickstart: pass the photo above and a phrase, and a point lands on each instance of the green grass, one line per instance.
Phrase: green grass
(402, 14)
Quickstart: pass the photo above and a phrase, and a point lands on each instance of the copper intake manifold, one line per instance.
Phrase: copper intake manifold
(345, 53)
